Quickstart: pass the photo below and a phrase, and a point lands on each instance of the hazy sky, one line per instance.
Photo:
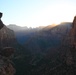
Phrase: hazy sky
(37, 12)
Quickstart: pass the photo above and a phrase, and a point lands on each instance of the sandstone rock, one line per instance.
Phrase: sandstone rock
(74, 22)
(6, 67)
(73, 32)
(71, 50)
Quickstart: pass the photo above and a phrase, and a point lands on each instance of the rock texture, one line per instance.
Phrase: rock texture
(7, 39)
(6, 67)
(73, 46)
(68, 50)
(73, 33)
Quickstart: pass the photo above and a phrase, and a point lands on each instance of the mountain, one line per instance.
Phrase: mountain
(16, 28)
(49, 51)
(68, 51)
(6, 67)
(48, 37)
(23, 33)
(47, 48)
(8, 39)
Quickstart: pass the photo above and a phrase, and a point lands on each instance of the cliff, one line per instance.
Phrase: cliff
(9, 49)
(68, 50)
(7, 37)
(72, 49)
(1, 23)
(54, 49)
(48, 38)
(48, 51)
(6, 67)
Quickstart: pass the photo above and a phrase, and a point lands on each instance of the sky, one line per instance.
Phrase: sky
(34, 13)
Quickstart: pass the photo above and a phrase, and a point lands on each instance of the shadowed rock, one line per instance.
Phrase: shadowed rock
(71, 50)
(73, 33)
(6, 66)
(74, 22)
(1, 14)
(7, 51)
(1, 23)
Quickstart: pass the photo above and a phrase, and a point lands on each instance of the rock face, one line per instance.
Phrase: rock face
(7, 40)
(52, 52)
(7, 37)
(73, 33)
(43, 46)
(73, 45)
(1, 23)
(69, 50)
(6, 67)
(60, 62)
(48, 38)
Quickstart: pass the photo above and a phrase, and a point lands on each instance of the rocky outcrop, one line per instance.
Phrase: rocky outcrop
(71, 42)
(73, 32)
(6, 67)
(1, 23)
(8, 40)
(7, 37)
(69, 50)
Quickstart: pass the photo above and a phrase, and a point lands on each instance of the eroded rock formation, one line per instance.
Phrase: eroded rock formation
(6, 67)
(1, 23)
(71, 50)
(73, 33)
